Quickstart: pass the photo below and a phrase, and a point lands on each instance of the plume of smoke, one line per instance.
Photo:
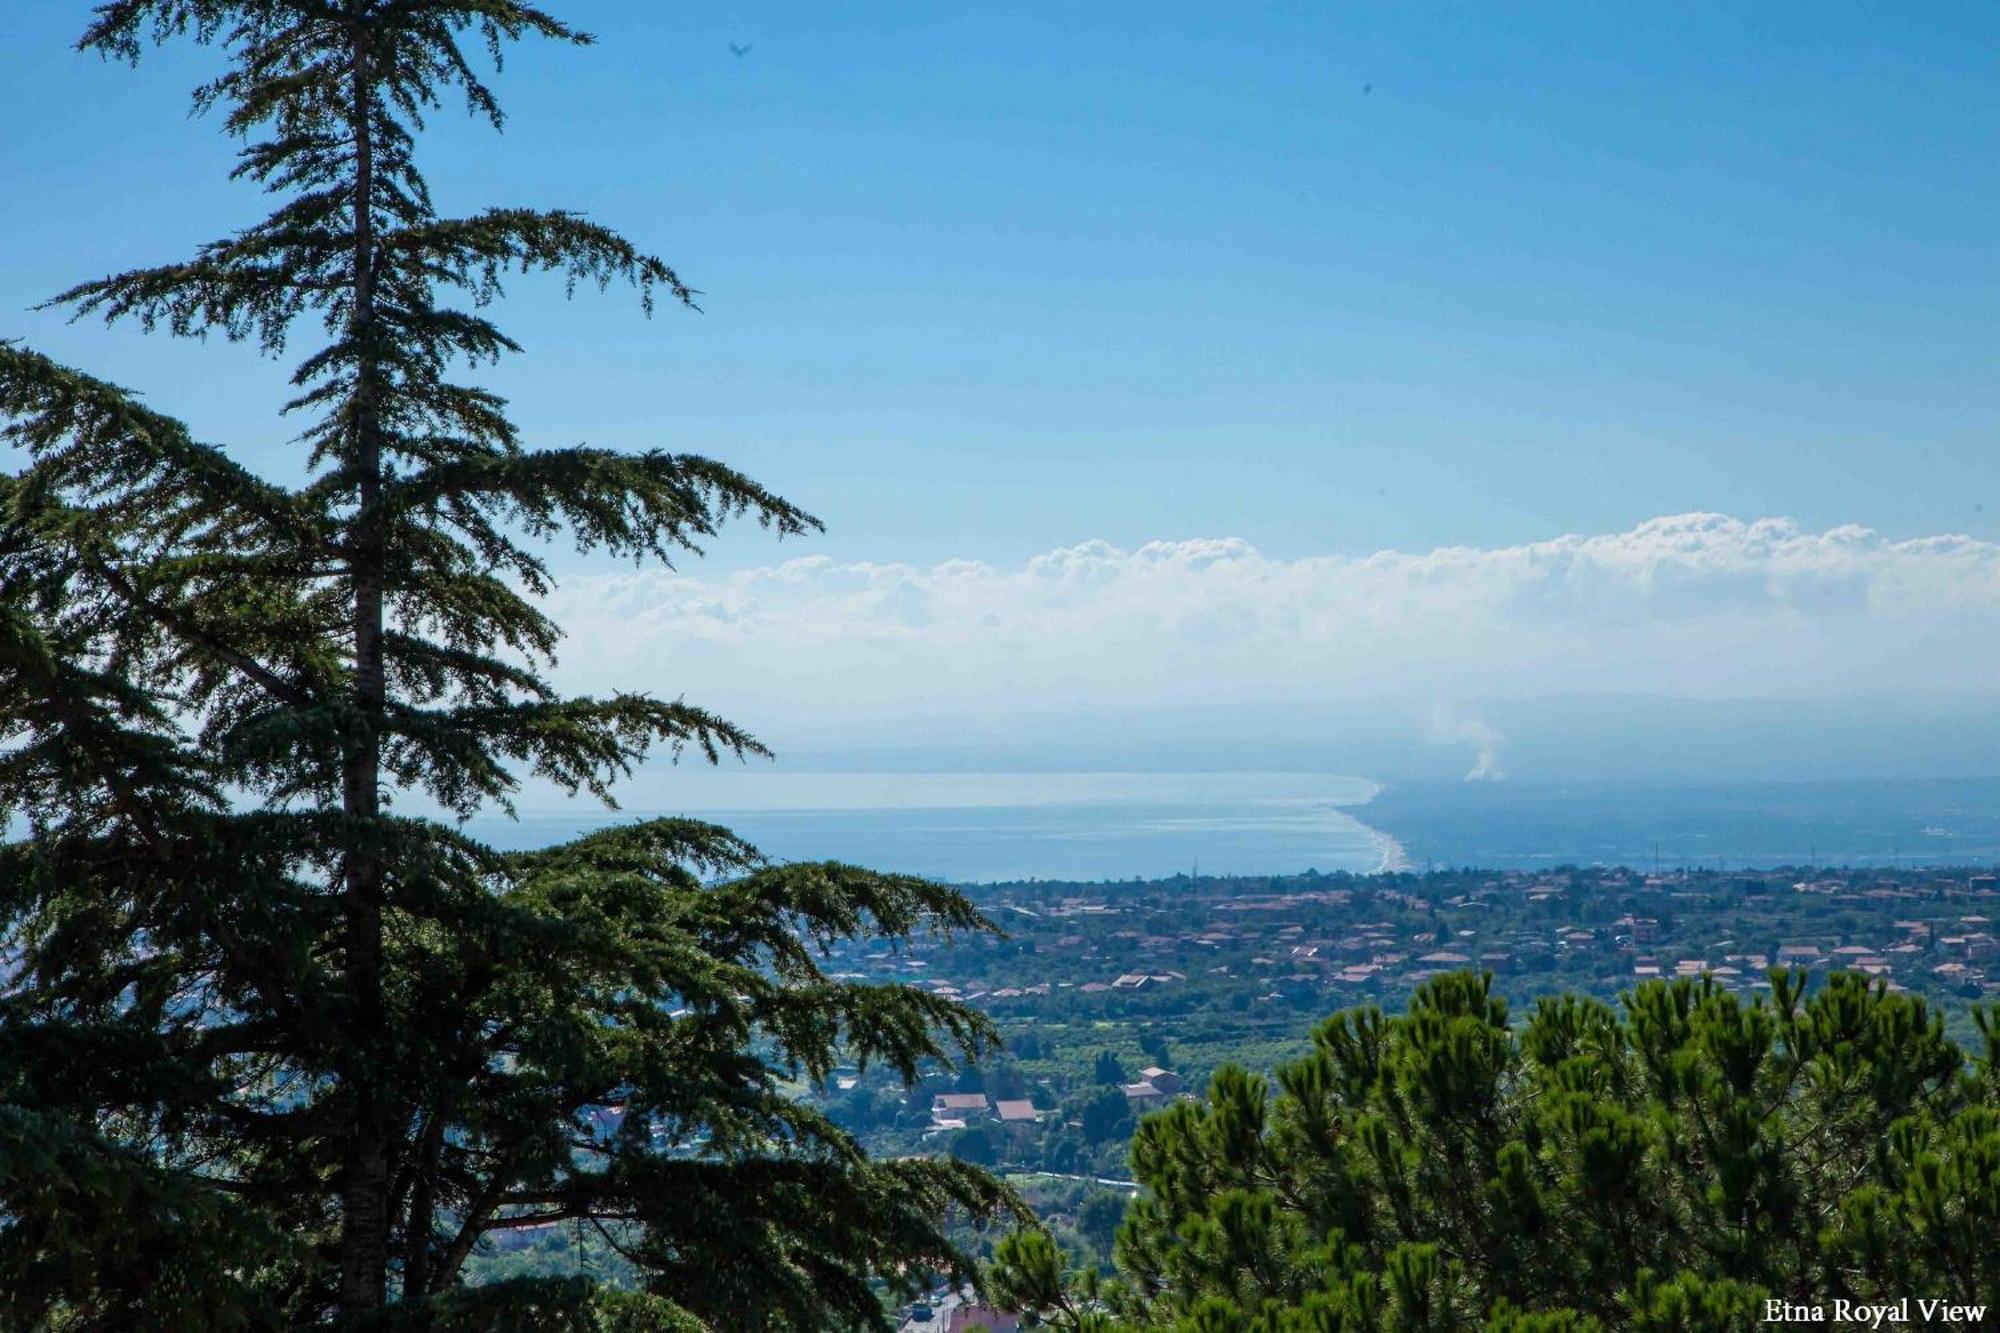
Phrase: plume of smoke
(1448, 727)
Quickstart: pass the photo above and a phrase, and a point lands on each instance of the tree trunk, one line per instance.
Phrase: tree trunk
(364, 1190)
(417, 1240)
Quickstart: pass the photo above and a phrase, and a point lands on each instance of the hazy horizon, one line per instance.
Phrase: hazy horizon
(1694, 645)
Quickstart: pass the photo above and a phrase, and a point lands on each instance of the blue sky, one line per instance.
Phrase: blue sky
(1394, 363)
(984, 281)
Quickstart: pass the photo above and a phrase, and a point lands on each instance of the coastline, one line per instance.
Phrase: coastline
(1392, 856)
(1394, 859)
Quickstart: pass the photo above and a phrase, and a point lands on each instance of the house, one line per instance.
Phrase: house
(1166, 1080)
(958, 1104)
(1015, 1112)
(1142, 1095)
(965, 1317)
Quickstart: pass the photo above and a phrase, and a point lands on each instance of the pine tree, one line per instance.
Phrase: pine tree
(275, 1050)
(1667, 1170)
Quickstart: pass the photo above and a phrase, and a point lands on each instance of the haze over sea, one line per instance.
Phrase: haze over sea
(977, 827)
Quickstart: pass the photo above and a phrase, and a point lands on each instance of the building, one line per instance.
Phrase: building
(1142, 1095)
(958, 1105)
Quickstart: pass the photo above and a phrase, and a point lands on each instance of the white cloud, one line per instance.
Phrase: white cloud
(1695, 604)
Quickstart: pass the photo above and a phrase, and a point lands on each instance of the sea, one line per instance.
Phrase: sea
(995, 827)
(990, 827)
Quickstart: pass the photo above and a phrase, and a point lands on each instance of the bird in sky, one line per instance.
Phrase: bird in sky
(740, 51)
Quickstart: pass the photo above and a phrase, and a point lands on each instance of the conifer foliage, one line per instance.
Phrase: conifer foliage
(1670, 1169)
(276, 1051)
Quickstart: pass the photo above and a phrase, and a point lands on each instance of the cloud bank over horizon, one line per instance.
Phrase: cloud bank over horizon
(1691, 605)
